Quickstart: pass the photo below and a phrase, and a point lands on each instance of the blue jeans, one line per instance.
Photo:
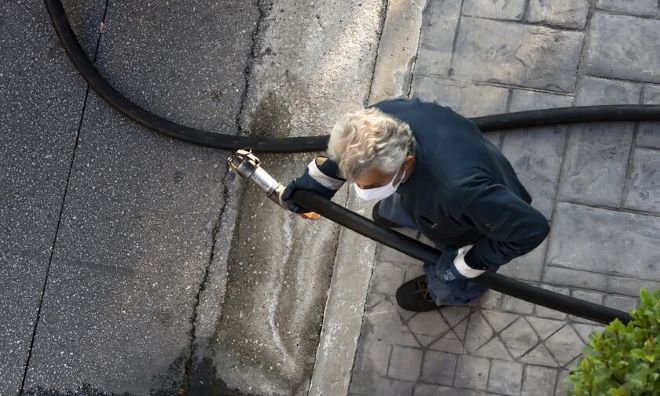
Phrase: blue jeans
(442, 293)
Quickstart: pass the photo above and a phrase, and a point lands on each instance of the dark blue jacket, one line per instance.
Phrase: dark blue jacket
(462, 189)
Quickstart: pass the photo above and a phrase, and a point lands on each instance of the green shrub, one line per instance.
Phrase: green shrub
(623, 360)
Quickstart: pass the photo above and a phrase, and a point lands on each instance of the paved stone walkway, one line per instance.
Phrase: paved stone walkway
(598, 184)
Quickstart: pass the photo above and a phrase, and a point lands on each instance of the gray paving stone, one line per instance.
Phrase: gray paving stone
(597, 155)
(439, 367)
(565, 345)
(551, 313)
(539, 380)
(595, 163)
(587, 295)
(648, 133)
(602, 282)
(644, 185)
(564, 13)
(382, 322)
(562, 386)
(405, 363)
(380, 331)
(539, 355)
(651, 94)
(386, 278)
(437, 37)
(602, 91)
(634, 55)
(626, 242)
(493, 349)
(490, 299)
(637, 7)
(585, 330)
(625, 304)
(407, 339)
(371, 360)
(536, 156)
(544, 327)
(413, 271)
(447, 344)
(438, 390)
(428, 324)
(519, 337)
(497, 9)
(454, 314)
(364, 385)
(525, 55)
(505, 377)
(472, 372)
(467, 99)
(499, 320)
(478, 332)
(517, 305)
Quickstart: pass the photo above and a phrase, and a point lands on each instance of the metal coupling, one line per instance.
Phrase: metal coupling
(247, 165)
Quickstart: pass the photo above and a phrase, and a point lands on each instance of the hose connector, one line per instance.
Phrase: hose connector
(247, 165)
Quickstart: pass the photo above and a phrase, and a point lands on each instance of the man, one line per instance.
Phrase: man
(431, 170)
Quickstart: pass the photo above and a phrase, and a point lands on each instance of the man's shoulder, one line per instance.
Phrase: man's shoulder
(404, 104)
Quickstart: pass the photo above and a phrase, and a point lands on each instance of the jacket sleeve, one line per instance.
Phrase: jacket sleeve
(510, 227)
(326, 172)
(321, 176)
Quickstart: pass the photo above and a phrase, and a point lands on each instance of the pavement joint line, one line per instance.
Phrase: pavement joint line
(362, 320)
(499, 84)
(61, 212)
(419, 43)
(622, 79)
(553, 213)
(613, 208)
(531, 24)
(648, 148)
(247, 72)
(381, 23)
(629, 163)
(627, 14)
(453, 45)
(618, 275)
(585, 43)
(525, 14)
(202, 285)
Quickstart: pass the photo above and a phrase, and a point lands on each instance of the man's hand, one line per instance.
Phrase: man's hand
(456, 271)
(312, 179)
(310, 215)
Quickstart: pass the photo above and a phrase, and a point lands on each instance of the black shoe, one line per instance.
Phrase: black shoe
(414, 296)
(380, 220)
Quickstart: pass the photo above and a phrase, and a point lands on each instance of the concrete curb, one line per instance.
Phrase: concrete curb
(344, 310)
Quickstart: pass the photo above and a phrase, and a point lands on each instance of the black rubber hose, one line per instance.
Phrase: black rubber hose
(311, 143)
(341, 215)
(426, 253)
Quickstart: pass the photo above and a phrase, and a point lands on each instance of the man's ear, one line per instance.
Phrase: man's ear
(409, 158)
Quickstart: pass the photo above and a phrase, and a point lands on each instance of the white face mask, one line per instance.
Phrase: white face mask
(379, 192)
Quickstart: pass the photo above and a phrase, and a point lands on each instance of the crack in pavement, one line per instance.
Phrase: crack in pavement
(66, 189)
(202, 285)
(250, 63)
(252, 56)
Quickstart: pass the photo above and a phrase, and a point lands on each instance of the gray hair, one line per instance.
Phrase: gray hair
(369, 138)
